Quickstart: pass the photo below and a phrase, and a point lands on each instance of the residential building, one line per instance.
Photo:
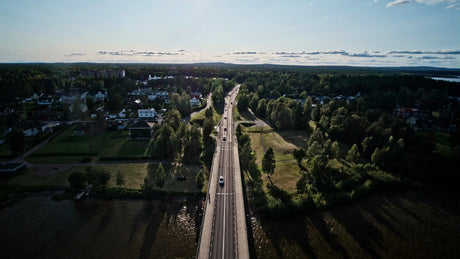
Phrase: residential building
(194, 101)
(146, 113)
(141, 130)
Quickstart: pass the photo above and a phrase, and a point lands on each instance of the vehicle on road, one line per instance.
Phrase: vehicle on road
(224, 138)
(225, 129)
(221, 180)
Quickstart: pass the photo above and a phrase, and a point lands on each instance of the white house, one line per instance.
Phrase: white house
(146, 113)
(194, 102)
(122, 114)
(100, 95)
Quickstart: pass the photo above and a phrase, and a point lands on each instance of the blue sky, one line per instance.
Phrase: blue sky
(309, 32)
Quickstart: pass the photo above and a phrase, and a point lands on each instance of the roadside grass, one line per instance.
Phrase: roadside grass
(199, 118)
(133, 176)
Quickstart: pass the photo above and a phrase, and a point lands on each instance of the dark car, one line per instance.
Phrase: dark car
(221, 180)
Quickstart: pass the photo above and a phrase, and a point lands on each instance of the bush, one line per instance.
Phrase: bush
(77, 180)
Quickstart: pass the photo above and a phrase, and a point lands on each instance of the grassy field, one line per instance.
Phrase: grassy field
(199, 118)
(133, 175)
(66, 148)
(283, 143)
(28, 179)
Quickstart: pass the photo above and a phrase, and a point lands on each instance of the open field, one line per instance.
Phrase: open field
(133, 175)
(386, 225)
(283, 143)
(66, 148)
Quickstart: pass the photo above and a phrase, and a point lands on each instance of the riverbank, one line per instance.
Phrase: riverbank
(385, 225)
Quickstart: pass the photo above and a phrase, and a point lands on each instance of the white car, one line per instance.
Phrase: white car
(221, 180)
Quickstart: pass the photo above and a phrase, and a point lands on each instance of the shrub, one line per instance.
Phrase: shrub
(77, 180)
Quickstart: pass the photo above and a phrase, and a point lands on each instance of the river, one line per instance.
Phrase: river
(39, 227)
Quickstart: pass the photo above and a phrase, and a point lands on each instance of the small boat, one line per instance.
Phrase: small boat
(79, 195)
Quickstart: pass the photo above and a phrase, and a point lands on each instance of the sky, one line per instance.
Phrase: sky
(297, 32)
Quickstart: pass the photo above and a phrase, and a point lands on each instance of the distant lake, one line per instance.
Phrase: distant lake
(449, 79)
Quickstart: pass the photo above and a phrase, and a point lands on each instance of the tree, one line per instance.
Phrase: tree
(299, 154)
(199, 180)
(96, 176)
(209, 112)
(208, 127)
(90, 103)
(16, 141)
(160, 177)
(315, 114)
(120, 179)
(307, 110)
(269, 163)
(353, 154)
(115, 101)
(77, 180)
(246, 154)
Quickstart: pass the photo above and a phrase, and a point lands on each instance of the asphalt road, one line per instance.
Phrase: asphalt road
(223, 240)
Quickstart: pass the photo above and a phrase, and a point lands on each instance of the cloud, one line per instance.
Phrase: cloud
(398, 2)
(453, 4)
(434, 57)
(245, 53)
(365, 54)
(425, 52)
(139, 53)
(74, 54)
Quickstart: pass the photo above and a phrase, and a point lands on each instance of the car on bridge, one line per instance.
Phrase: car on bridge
(221, 180)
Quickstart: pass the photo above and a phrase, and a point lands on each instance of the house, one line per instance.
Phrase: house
(194, 102)
(45, 100)
(29, 128)
(83, 129)
(146, 113)
(407, 113)
(141, 130)
(100, 96)
(49, 127)
(7, 111)
(122, 114)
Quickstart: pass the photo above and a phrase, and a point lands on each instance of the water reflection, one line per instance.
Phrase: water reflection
(42, 228)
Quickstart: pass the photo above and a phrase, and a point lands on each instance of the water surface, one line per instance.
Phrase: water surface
(38, 227)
